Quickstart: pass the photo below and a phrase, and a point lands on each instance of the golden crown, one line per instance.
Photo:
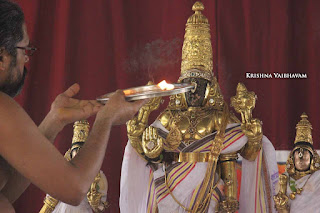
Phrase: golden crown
(197, 59)
(304, 130)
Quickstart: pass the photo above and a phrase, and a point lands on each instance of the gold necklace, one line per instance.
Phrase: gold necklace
(296, 191)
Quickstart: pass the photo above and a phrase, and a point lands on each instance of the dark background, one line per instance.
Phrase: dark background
(106, 45)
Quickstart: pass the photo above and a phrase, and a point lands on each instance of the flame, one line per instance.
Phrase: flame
(165, 86)
(127, 92)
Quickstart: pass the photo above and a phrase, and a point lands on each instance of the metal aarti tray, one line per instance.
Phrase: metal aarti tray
(150, 91)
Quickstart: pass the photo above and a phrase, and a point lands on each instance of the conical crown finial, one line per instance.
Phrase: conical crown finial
(304, 130)
(197, 59)
(198, 6)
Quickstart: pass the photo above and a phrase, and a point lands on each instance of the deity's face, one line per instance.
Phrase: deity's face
(195, 97)
(302, 159)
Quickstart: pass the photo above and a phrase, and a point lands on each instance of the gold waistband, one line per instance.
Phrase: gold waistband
(192, 157)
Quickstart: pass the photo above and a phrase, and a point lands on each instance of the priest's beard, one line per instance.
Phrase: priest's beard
(11, 86)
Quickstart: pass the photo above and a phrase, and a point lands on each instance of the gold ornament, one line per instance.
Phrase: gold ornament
(213, 97)
(244, 102)
(94, 195)
(281, 200)
(304, 130)
(178, 101)
(297, 191)
(197, 60)
(80, 134)
(50, 204)
(229, 177)
(80, 131)
(292, 196)
(152, 143)
(137, 125)
(174, 138)
(303, 140)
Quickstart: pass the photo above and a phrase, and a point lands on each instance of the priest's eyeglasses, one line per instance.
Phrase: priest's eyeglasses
(29, 50)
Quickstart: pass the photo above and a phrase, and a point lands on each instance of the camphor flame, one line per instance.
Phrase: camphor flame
(127, 92)
(165, 86)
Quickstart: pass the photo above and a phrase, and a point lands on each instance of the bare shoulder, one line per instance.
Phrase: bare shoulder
(15, 126)
(12, 117)
(9, 108)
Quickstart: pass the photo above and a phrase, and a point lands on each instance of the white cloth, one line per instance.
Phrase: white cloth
(134, 182)
(84, 207)
(249, 189)
(308, 200)
(135, 179)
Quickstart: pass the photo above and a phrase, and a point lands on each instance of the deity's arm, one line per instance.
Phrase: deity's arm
(229, 177)
(137, 125)
(281, 200)
(253, 131)
(244, 102)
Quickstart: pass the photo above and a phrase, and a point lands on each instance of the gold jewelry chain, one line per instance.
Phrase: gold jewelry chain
(175, 199)
(214, 166)
(292, 195)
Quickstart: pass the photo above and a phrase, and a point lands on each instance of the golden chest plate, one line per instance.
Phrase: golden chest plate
(193, 124)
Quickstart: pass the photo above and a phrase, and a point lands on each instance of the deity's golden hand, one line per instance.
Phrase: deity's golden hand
(95, 197)
(253, 130)
(138, 124)
(152, 143)
(281, 202)
(135, 127)
(244, 102)
(152, 104)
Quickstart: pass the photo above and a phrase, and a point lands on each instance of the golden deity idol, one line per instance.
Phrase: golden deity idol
(96, 196)
(192, 147)
(299, 185)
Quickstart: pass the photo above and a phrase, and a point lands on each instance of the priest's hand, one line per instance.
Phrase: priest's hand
(65, 109)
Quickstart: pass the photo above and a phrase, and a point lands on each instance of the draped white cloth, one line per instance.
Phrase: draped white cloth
(249, 191)
(308, 200)
(135, 181)
(84, 207)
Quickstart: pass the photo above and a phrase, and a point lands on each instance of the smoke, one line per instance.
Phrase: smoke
(154, 58)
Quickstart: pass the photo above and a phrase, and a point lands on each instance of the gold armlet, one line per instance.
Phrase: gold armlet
(229, 177)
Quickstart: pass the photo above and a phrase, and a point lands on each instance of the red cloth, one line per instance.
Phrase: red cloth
(106, 45)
